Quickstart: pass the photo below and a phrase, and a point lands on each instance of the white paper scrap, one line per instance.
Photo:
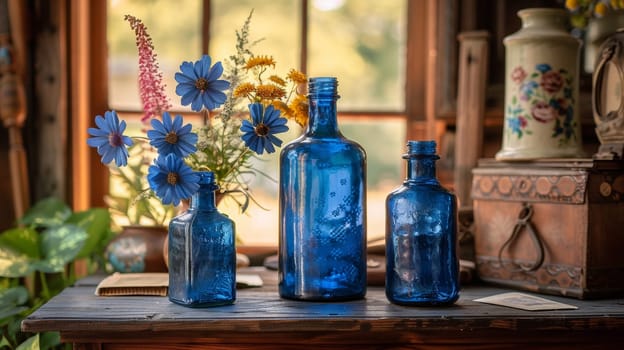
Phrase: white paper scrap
(525, 302)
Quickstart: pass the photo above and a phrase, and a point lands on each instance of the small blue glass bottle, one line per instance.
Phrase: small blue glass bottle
(202, 252)
(422, 267)
(322, 242)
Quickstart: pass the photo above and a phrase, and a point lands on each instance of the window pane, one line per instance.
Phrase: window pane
(362, 42)
(384, 173)
(276, 23)
(176, 38)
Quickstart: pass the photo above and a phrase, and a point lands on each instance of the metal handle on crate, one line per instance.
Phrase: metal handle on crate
(524, 222)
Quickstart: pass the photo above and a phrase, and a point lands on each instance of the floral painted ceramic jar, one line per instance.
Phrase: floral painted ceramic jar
(541, 88)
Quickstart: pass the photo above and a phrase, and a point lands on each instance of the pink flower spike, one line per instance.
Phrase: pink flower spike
(151, 86)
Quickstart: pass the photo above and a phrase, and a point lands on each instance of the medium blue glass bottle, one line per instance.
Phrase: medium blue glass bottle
(202, 252)
(422, 267)
(322, 243)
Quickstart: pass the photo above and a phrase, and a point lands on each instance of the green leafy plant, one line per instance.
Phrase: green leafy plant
(38, 260)
(130, 203)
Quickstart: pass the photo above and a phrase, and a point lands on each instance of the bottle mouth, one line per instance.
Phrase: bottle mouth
(206, 178)
(421, 148)
(323, 87)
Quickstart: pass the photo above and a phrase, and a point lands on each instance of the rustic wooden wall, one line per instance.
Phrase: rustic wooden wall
(45, 130)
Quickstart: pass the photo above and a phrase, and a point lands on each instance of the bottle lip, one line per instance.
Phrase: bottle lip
(206, 177)
(323, 87)
(422, 148)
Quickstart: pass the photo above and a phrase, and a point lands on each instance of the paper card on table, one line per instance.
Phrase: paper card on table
(156, 284)
(525, 302)
(134, 284)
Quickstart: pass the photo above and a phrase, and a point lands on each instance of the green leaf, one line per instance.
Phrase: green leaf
(49, 340)
(6, 312)
(96, 223)
(60, 245)
(31, 343)
(24, 241)
(14, 264)
(4, 342)
(19, 248)
(14, 296)
(12, 301)
(45, 213)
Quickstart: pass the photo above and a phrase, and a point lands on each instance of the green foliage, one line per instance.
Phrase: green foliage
(131, 201)
(37, 262)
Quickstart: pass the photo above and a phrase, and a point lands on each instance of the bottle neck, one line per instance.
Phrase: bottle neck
(323, 119)
(204, 198)
(421, 168)
(322, 97)
(544, 18)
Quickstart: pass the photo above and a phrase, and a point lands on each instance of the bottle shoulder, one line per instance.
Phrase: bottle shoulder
(410, 188)
(323, 146)
(193, 215)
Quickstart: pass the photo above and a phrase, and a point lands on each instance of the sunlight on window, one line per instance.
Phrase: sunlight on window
(360, 42)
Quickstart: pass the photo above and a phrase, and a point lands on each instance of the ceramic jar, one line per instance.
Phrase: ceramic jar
(541, 88)
(138, 249)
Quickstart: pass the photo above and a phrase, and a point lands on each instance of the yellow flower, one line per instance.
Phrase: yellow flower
(299, 109)
(277, 80)
(269, 92)
(283, 107)
(600, 9)
(572, 5)
(296, 77)
(244, 89)
(260, 61)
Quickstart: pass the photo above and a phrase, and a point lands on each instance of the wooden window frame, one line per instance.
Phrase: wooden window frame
(89, 91)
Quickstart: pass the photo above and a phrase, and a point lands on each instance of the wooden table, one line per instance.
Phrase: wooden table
(261, 320)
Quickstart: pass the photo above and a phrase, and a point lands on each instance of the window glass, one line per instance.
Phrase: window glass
(176, 38)
(362, 43)
(274, 24)
(383, 141)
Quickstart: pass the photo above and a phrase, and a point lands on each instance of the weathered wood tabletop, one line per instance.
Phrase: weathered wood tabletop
(260, 319)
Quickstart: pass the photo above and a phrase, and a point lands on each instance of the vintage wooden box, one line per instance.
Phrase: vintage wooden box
(552, 226)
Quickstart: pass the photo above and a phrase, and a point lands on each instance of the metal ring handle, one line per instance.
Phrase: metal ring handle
(524, 222)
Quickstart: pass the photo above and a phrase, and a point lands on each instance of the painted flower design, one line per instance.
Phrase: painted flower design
(259, 135)
(518, 75)
(552, 82)
(544, 96)
(543, 112)
(171, 179)
(170, 136)
(199, 84)
(517, 124)
(109, 139)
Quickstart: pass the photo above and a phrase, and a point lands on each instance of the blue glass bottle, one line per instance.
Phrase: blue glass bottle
(202, 252)
(422, 267)
(322, 242)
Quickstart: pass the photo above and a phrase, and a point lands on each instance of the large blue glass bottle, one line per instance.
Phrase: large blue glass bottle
(202, 252)
(422, 267)
(322, 242)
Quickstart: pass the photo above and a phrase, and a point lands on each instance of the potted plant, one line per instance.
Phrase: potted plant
(39, 258)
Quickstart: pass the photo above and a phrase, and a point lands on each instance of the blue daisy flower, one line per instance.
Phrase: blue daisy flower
(172, 180)
(109, 139)
(259, 135)
(199, 84)
(171, 137)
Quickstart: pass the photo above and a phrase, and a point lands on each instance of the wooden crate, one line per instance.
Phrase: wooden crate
(576, 210)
